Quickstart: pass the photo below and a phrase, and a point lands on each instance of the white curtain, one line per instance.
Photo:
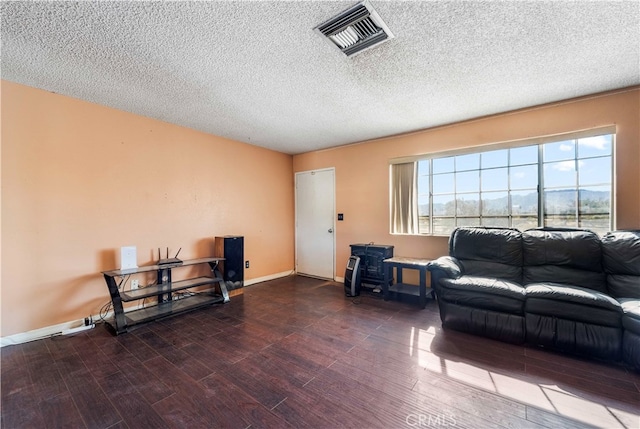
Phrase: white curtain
(404, 198)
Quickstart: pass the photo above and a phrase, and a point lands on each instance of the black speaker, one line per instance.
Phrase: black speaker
(231, 248)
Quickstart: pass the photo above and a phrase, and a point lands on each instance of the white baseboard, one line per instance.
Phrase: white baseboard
(65, 328)
(340, 279)
(269, 277)
(74, 326)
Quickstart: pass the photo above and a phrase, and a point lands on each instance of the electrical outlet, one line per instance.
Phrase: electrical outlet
(246, 264)
(135, 284)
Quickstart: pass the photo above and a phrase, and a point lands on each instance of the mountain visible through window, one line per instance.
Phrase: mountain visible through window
(564, 183)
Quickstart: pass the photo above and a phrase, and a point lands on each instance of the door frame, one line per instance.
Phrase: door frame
(333, 217)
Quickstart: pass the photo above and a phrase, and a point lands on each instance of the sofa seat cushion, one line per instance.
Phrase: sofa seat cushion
(631, 314)
(573, 303)
(631, 335)
(484, 292)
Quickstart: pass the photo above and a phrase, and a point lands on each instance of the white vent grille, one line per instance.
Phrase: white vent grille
(356, 29)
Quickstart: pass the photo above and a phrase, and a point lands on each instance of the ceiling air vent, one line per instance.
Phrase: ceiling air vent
(356, 29)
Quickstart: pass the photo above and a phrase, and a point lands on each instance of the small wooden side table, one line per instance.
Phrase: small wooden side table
(400, 288)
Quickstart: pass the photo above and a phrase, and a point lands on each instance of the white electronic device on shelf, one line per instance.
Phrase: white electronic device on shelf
(128, 258)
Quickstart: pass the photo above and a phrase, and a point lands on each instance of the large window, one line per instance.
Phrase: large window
(565, 183)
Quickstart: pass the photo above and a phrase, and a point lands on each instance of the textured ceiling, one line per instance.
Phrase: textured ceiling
(257, 72)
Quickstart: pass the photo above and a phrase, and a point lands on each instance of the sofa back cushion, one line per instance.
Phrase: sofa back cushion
(569, 256)
(488, 252)
(621, 260)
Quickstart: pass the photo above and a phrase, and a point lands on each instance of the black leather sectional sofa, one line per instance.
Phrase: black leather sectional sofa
(564, 289)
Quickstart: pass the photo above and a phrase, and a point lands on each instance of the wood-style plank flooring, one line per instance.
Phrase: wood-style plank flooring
(295, 352)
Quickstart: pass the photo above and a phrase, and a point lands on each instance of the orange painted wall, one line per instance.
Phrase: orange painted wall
(81, 180)
(362, 170)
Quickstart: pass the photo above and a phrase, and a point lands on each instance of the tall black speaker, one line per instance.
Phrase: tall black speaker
(231, 248)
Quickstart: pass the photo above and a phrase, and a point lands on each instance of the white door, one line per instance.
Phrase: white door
(315, 243)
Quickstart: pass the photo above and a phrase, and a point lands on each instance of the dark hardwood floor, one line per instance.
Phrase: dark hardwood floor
(295, 352)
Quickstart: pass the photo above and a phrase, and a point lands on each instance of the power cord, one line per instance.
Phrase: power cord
(104, 310)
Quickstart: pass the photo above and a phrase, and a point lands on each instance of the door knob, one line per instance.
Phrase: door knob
(330, 230)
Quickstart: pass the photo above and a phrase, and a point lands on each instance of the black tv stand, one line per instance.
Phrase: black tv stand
(203, 291)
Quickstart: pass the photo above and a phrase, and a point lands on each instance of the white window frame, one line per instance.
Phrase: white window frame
(539, 141)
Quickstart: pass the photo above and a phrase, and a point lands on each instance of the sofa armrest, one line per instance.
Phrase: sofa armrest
(446, 266)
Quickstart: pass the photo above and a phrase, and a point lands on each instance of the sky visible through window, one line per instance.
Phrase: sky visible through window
(502, 187)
